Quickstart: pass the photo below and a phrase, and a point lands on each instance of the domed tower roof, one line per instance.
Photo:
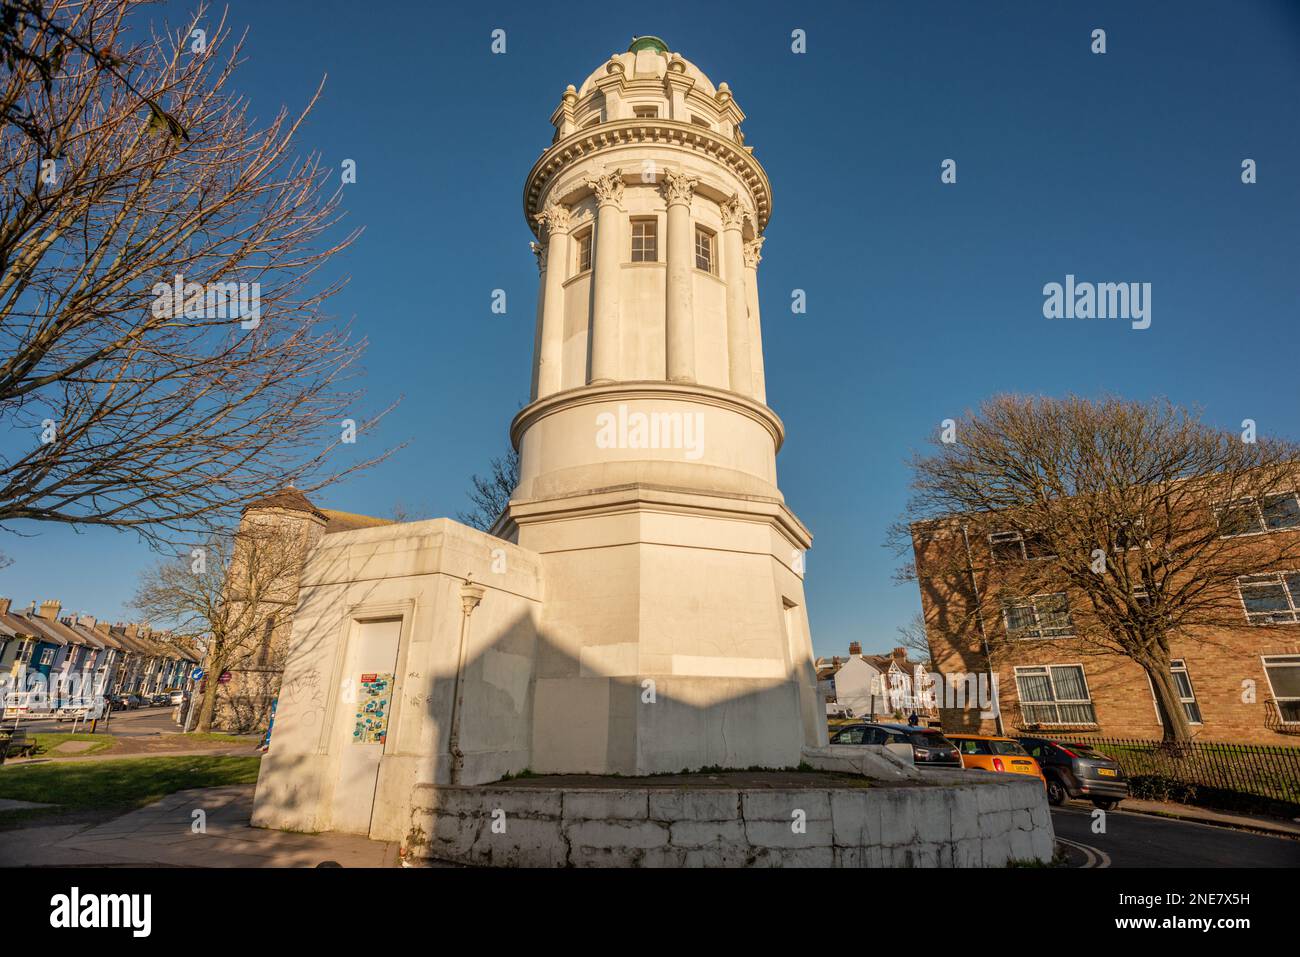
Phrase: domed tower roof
(648, 58)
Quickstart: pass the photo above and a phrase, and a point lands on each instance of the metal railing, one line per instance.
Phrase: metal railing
(1266, 771)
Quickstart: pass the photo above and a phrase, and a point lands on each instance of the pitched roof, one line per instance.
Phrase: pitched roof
(287, 498)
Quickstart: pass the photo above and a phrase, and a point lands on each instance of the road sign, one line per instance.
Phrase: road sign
(196, 674)
(225, 678)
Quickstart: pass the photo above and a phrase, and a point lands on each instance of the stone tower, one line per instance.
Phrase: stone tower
(673, 632)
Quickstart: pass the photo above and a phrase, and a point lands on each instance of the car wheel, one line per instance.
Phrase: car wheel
(1106, 804)
(1056, 793)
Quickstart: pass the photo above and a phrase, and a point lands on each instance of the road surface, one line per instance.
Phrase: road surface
(1141, 840)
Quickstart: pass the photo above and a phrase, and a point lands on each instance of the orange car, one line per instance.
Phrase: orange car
(990, 752)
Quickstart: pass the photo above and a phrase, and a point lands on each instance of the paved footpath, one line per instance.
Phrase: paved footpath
(162, 835)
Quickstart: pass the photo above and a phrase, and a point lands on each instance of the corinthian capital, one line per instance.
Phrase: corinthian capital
(733, 212)
(752, 256)
(608, 187)
(556, 218)
(678, 187)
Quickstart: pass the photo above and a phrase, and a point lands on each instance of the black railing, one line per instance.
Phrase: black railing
(1264, 771)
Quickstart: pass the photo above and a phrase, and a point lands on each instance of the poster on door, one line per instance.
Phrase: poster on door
(376, 692)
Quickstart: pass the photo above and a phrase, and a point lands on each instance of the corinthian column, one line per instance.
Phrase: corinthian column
(753, 256)
(608, 188)
(678, 189)
(557, 219)
(738, 334)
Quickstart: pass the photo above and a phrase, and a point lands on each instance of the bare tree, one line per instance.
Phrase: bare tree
(913, 637)
(1131, 509)
(165, 357)
(491, 494)
(230, 596)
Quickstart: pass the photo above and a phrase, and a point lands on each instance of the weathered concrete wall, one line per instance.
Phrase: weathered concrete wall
(985, 822)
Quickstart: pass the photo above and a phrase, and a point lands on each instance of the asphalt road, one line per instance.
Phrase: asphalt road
(142, 721)
(1141, 840)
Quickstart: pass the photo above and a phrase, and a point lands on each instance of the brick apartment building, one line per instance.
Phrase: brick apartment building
(1238, 678)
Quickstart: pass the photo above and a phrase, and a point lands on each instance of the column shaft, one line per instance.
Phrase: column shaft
(607, 277)
(550, 334)
(680, 312)
(740, 373)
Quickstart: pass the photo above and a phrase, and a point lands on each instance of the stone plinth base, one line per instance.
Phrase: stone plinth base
(735, 819)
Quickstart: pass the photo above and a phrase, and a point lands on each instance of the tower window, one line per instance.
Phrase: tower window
(587, 124)
(584, 250)
(704, 258)
(645, 112)
(645, 245)
(701, 121)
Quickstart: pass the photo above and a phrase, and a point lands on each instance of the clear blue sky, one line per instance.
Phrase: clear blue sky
(922, 298)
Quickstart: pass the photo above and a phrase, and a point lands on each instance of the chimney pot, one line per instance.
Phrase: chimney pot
(855, 647)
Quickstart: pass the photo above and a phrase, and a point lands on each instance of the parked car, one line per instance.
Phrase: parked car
(988, 752)
(159, 699)
(1078, 771)
(930, 749)
(125, 702)
(176, 697)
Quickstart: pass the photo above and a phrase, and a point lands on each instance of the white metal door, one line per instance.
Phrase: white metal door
(364, 712)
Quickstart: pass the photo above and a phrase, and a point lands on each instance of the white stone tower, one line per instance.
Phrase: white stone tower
(674, 632)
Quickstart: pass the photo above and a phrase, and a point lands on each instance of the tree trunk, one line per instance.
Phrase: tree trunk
(1173, 718)
(208, 705)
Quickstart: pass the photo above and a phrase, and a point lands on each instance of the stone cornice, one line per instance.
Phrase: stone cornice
(649, 389)
(588, 142)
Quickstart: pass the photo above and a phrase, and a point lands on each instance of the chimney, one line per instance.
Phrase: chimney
(835, 660)
(50, 610)
(855, 647)
(131, 630)
(104, 627)
(87, 621)
(900, 653)
(4, 606)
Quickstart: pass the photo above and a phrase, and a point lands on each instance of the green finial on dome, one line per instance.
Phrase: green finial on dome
(647, 43)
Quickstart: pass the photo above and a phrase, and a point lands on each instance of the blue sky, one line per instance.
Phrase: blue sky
(923, 298)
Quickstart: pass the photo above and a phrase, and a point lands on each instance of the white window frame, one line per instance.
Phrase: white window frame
(713, 249)
(653, 223)
(1176, 665)
(1270, 578)
(47, 657)
(1018, 536)
(1032, 603)
(589, 237)
(1256, 504)
(1056, 701)
(1279, 661)
(638, 107)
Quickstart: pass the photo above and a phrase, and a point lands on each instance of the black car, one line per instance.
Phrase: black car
(1078, 771)
(930, 749)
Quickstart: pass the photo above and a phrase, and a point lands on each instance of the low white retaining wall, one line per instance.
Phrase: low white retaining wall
(980, 821)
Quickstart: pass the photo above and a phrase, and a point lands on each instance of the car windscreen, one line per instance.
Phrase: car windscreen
(1006, 747)
(928, 739)
(1083, 751)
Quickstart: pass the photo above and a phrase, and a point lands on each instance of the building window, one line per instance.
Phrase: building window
(47, 656)
(704, 258)
(1272, 599)
(588, 124)
(1055, 694)
(1253, 516)
(1183, 681)
(645, 112)
(645, 246)
(701, 121)
(584, 250)
(1043, 616)
(1019, 545)
(1283, 673)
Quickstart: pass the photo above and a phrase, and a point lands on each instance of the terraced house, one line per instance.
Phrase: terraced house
(1236, 671)
(106, 658)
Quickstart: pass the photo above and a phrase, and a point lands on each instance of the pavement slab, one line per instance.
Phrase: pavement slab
(163, 835)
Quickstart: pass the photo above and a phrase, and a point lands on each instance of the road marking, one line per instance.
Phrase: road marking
(1093, 856)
